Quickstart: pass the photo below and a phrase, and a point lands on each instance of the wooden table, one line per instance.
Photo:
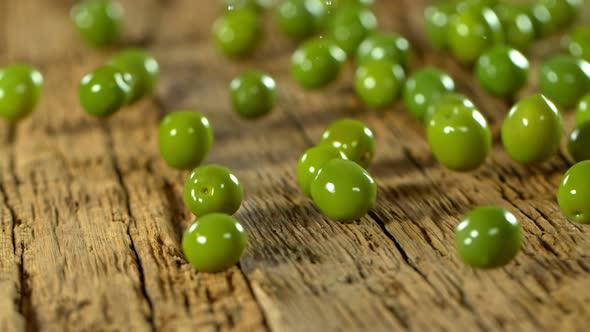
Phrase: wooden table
(91, 217)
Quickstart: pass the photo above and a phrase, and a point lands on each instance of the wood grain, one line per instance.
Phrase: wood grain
(91, 217)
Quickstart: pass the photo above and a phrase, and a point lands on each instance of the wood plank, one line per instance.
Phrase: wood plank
(91, 217)
(11, 318)
(428, 200)
(87, 263)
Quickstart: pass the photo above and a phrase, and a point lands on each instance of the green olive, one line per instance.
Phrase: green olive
(379, 83)
(300, 18)
(502, 70)
(462, 5)
(519, 30)
(258, 5)
(349, 26)
(253, 94)
(236, 33)
(564, 80)
(212, 188)
(424, 87)
(214, 243)
(578, 42)
(384, 46)
(184, 139)
(447, 102)
(142, 67)
(532, 130)
(438, 17)
(542, 20)
(472, 31)
(311, 162)
(333, 6)
(343, 190)
(20, 91)
(98, 21)
(353, 138)
(488, 237)
(317, 62)
(104, 91)
(579, 142)
(562, 12)
(459, 137)
(574, 193)
(583, 110)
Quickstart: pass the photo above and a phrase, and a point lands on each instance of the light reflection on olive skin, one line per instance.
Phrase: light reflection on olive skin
(488, 237)
(573, 195)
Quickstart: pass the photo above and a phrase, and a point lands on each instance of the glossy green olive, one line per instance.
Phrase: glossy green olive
(437, 17)
(424, 87)
(543, 23)
(564, 80)
(215, 242)
(317, 62)
(329, 8)
(337, 4)
(459, 137)
(446, 102)
(184, 139)
(353, 138)
(578, 42)
(532, 130)
(384, 45)
(488, 237)
(104, 91)
(350, 25)
(311, 162)
(253, 94)
(562, 12)
(142, 67)
(379, 83)
(230, 5)
(472, 31)
(343, 190)
(474, 4)
(574, 193)
(300, 18)
(212, 188)
(237, 33)
(583, 110)
(519, 31)
(578, 143)
(20, 91)
(98, 21)
(332, 6)
(502, 70)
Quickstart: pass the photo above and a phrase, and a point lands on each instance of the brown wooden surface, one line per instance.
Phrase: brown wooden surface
(91, 218)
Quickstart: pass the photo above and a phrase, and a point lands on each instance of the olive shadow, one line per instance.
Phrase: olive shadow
(386, 168)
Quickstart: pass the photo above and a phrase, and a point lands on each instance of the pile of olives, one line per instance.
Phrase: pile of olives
(123, 80)
(333, 172)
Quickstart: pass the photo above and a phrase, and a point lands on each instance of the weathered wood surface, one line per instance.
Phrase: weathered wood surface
(91, 218)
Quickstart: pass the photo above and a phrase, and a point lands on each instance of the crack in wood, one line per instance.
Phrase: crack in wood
(175, 205)
(19, 300)
(398, 246)
(109, 143)
(23, 301)
(11, 133)
(543, 243)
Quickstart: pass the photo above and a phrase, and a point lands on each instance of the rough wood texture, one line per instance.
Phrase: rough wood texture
(91, 218)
